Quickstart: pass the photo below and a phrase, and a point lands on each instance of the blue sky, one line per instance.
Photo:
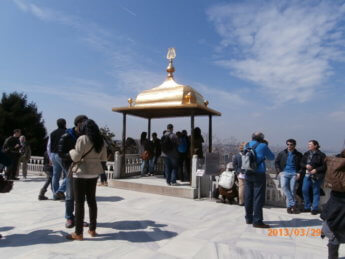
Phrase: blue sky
(273, 66)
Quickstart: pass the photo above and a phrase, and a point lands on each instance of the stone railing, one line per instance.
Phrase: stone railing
(35, 164)
(133, 165)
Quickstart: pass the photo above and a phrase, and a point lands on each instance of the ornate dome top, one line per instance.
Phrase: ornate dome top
(169, 92)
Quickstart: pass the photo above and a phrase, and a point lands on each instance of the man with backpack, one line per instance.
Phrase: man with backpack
(169, 143)
(66, 143)
(253, 162)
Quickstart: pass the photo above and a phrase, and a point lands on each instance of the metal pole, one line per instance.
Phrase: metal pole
(191, 143)
(149, 129)
(123, 158)
(210, 133)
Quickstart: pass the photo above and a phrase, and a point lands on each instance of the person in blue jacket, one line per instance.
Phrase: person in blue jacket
(255, 184)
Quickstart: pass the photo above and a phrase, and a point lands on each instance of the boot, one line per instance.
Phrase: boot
(41, 196)
(333, 251)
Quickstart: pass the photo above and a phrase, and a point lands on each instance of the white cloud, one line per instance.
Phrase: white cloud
(219, 98)
(286, 47)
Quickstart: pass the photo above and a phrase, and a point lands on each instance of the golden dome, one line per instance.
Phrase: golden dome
(169, 92)
(170, 99)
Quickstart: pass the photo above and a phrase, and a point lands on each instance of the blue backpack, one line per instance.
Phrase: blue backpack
(183, 145)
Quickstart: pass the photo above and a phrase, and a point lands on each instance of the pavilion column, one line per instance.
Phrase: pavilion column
(149, 128)
(191, 144)
(210, 133)
(123, 158)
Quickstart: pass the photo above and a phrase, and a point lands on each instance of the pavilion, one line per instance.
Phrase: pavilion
(170, 99)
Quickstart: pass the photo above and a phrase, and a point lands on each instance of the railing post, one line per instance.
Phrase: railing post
(117, 165)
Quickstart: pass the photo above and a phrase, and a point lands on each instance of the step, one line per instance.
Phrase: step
(182, 191)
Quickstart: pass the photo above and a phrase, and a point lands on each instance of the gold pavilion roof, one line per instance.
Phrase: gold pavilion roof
(169, 99)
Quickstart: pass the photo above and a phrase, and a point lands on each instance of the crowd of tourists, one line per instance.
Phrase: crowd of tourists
(78, 155)
(175, 149)
(300, 175)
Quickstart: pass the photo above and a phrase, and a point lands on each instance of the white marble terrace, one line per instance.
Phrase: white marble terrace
(142, 225)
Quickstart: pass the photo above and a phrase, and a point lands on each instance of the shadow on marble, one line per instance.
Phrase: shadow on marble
(294, 223)
(44, 236)
(109, 198)
(151, 235)
(2, 229)
(131, 224)
(40, 179)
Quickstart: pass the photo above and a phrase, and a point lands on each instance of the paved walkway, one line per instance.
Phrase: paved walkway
(140, 225)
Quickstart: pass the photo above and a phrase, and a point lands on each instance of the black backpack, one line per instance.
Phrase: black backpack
(166, 144)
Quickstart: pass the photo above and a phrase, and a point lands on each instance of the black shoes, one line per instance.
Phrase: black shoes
(314, 212)
(60, 195)
(261, 225)
(292, 210)
(42, 198)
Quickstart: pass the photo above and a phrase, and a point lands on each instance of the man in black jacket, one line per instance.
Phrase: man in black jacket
(66, 143)
(287, 164)
(52, 150)
(11, 148)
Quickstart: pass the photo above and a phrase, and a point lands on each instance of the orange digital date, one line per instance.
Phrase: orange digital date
(288, 232)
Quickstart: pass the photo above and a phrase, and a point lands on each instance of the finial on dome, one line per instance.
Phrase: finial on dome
(171, 55)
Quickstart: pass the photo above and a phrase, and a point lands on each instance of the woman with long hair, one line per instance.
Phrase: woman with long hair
(145, 153)
(314, 168)
(88, 154)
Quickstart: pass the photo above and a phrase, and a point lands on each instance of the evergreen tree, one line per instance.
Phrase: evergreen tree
(17, 113)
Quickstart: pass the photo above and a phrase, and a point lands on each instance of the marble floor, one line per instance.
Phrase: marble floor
(142, 225)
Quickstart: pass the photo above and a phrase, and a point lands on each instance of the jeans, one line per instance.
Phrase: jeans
(288, 182)
(254, 197)
(308, 183)
(170, 169)
(82, 188)
(57, 169)
(152, 164)
(69, 200)
(144, 167)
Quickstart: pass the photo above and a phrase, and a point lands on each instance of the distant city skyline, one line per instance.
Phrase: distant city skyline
(271, 66)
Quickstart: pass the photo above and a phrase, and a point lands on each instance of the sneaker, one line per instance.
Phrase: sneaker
(74, 236)
(42, 198)
(92, 233)
(295, 210)
(69, 223)
(261, 225)
(289, 210)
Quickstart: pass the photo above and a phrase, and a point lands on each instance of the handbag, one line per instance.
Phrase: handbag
(75, 165)
(145, 155)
